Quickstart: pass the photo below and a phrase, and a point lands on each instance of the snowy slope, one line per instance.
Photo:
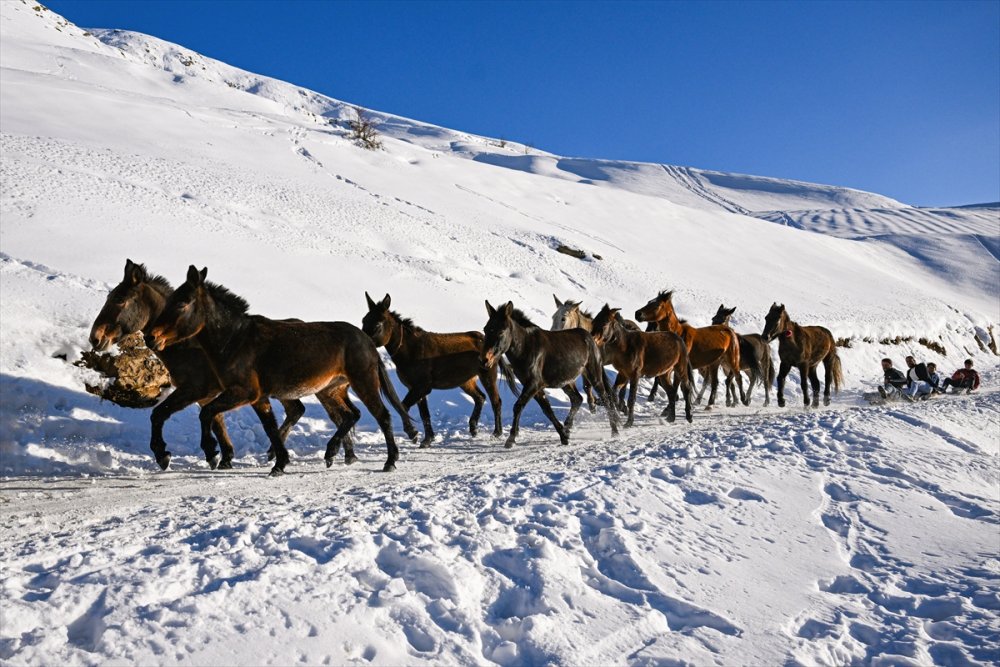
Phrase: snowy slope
(120, 145)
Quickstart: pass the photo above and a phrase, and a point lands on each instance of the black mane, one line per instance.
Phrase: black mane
(156, 281)
(406, 323)
(522, 319)
(664, 295)
(226, 298)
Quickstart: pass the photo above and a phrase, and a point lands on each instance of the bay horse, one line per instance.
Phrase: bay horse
(426, 361)
(133, 305)
(636, 354)
(569, 315)
(803, 347)
(751, 346)
(540, 359)
(709, 347)
(256, 357)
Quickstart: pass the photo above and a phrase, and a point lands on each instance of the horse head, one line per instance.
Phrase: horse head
(723, 314)
(130, 306)
(606, 324)
(498, 333)
(184, 314)
(567, 315)
(658, 308)
(775, 322)
(377, 323)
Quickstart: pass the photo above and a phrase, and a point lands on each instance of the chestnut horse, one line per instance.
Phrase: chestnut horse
(133, 305)
(708, 347)
(426, 361)
(636, 354)
(256, 357)
(804, 348)
(752, 346)
(541, 359)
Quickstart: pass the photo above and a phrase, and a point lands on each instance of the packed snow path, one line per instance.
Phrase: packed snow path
(843, 535)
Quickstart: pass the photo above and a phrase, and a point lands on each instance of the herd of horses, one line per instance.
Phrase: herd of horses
(221, 357)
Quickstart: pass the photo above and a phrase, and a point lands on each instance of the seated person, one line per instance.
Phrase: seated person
(964, 378)
(894, 381)
(917, 380)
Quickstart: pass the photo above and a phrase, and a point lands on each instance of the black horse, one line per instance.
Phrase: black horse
(752, 346)
(256, 357)
(133, 305)
(426, 360)
(541, 359)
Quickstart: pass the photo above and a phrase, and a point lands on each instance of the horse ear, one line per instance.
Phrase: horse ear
(615, 311)
(558, 302)
(134, 273)
(508, 309)
(386, 301)
(371, 302)
(196, 278)
(128, 268)
(490, 310)
(575, 304)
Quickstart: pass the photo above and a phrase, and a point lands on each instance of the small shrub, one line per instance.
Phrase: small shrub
(843, 342)
(364, 130)
(933, 345)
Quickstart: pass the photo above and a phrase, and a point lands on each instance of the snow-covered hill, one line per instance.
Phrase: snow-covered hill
(117, 145)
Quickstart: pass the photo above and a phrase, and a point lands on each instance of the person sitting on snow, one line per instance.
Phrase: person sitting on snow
(933, 378)
(894, 381)
(964, 378)
(917, 380)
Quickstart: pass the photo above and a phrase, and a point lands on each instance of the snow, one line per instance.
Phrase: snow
(853, 534)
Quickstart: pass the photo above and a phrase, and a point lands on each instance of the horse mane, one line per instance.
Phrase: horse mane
(156, 281)
(406, 323)
(587, 314)
(664, 295)
(227, 299)
(522, 319)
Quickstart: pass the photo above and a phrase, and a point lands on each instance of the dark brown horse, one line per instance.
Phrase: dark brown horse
(133, 305)
(541, 359)
(426, 361)
(752, 346)
(709, 347)
(256, 357)
(803, 348)
(636, 354)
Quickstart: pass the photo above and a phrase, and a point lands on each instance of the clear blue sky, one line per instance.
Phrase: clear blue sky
(901, 98)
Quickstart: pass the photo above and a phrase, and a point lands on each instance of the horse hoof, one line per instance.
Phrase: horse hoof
(498, 433)
(389, 467)
(826, 401)
(689, 419)
(508, 444)
(413, 435)
(328, 461)
(671, 419)
(348, 460)
(226, 464)
(781, 404)
(163, 461)
(276, 472)
(213, 461)
(425, 444)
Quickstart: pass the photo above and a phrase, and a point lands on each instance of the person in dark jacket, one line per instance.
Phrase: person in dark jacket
(964, 378)
(894, 381)
(917, 380)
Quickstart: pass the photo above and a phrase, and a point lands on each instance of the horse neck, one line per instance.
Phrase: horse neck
(584, 322)
(518, 340)
(222, 324)
(400, 340)
(670, 322)
(154, 300)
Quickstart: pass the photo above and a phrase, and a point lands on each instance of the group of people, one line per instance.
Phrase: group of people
(922, 380)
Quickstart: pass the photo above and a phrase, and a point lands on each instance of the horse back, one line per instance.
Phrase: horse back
(560, 355)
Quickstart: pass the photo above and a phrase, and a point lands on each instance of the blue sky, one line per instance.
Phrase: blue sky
(900, 98)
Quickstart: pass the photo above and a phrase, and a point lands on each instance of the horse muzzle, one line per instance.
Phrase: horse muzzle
(488, 359)
(639, 316)
(156, 341)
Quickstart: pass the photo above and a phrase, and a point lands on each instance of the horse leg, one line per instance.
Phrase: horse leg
(488, 378)
(479, 400)
(293, 413)
(425, 417)
(704, 386)
(340, 410)
(266, 415)
(814, 380)
(622, 397)
(682, 377)
(782, 374)
(575, 401)
(767, 368)
(652, 391)
(670, 412)
(827, 376)
(367, 390)
(175, 402)
(222, 436)
(527, 393)
(589, 391)
(414, 397)
(714, 376)
(633, 383)
(543, 401)
(230, 399)
(744, 396)
(804, 379)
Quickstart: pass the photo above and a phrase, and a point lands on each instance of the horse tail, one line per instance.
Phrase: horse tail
(389, 392)
(598, 378)
(753, 363)
(838, 372)
(508, 375)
